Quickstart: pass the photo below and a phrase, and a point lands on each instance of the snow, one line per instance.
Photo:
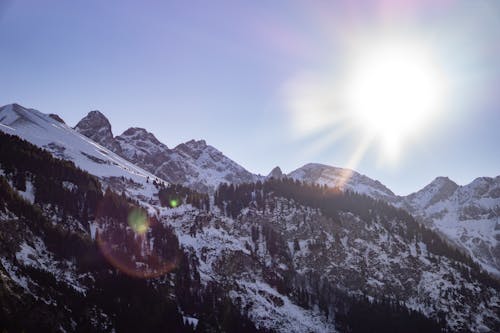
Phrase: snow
(21, 281)
(467, 215)
(270, 309)
(64, 142)
(38, 256)
(29, 194)
(93, 229)
(345, 179)
(69, 186)
(191, 321)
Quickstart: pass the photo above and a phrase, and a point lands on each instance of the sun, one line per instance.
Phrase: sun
(392, 90)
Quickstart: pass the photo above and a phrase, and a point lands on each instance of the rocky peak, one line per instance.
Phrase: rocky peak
(139, 134)
(439, 189)
(276, 173)
(192, 148)
(96, 127)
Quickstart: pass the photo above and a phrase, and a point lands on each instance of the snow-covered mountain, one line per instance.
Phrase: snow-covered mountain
(345, 179)
(286, 262)
(46, 132)
(194, 163)
(468, 215)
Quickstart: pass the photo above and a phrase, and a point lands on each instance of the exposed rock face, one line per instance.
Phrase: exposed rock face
(193, 164)
(56, 117)
(97, 127)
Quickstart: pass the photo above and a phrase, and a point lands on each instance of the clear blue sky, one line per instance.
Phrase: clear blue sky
(218, 70)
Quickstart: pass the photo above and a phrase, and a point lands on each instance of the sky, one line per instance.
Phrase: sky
(259, 80)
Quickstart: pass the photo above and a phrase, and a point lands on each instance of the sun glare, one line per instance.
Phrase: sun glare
(392, 91)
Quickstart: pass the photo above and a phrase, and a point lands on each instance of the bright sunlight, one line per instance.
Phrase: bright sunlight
(393, 89)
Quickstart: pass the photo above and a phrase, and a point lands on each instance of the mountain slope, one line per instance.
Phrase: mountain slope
(271, 268)
(64, 142)
(468, 215)
(56, 272)
(314, 173)
(194, 163)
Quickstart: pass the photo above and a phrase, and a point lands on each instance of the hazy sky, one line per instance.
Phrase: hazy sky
(222, 71)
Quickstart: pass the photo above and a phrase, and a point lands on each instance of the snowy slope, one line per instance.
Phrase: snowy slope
(346, 179)
(64, 142)
(468, 215)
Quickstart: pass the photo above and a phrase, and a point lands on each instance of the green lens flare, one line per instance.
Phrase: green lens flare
(138, 221)
(174, 203)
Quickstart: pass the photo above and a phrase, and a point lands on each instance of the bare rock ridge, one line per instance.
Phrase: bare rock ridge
(97, 127)
(194, 163)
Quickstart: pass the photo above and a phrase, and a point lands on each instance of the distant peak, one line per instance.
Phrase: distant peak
(275, 173)
(135, 130)
(196, 143)
(320, 166)
(194, 148)
(441, 181)
(96, 114)
(140, 134)
(439, 189)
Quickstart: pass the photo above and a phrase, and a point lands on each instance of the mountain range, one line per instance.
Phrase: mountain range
(274, 251)
(466, 215)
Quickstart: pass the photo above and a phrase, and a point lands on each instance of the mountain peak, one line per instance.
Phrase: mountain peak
(437, 190)
(276, 173)
(96, 113)
(442, 180)
(139, 134)
(11, 114)
(196, 143)
(322, 174)
(97, 127)
(443, 183)
(192, 148)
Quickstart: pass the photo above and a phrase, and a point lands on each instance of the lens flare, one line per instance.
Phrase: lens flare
(134, 244)
(138, 221)
(174, 203)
